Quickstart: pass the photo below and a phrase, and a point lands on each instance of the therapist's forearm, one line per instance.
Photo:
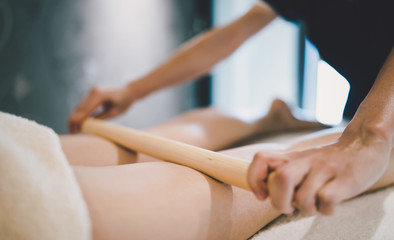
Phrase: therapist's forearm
(199, 55)
(375, 116)
(374, 120)
(317, 179)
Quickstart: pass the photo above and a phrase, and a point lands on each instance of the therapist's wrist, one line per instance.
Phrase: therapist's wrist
(367, 134)
(138, 89)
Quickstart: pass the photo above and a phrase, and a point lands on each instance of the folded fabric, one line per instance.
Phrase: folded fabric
(39, 195)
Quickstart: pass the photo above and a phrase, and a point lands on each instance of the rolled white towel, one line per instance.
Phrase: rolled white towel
(39, 195)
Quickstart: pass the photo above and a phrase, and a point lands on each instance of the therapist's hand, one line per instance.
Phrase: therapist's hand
(110, 101)
(317, 179)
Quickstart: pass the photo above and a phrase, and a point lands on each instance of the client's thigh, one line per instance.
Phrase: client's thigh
(89, 150)
(161, 200)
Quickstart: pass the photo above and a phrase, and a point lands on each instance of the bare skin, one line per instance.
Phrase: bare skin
(319, 178)
(160, 200)
(193, 59)
(210, 128)
(357, 160)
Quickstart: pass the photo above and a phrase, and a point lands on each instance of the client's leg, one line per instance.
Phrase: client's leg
(167, 201)
(160, 200)
(89, 150)
(214, 129)
(206, 128)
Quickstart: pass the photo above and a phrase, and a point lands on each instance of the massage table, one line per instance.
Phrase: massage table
(40, 198)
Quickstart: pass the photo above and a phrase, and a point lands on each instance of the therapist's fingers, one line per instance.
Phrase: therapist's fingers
(108, 112)
(334, 192)
(85, 108)
(282, 184)
(306, 195)
(262, 164)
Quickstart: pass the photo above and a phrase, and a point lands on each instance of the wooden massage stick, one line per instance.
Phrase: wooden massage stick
(224, 168)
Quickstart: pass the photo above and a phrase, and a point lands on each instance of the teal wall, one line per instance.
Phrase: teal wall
(53, 51)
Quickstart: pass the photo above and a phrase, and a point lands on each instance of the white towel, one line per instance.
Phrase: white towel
(39, 195)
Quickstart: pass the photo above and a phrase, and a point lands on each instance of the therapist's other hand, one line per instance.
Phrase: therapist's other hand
(110, 101)
(316, 180)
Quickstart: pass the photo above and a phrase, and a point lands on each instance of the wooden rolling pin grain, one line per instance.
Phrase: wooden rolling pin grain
(224, 168)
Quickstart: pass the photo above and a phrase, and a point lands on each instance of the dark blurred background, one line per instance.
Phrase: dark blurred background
(53, 51)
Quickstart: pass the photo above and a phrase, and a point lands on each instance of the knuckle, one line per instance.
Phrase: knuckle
(283, 175)
(305, 203)
(259, 156)
(325, 198)
(302, 200)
